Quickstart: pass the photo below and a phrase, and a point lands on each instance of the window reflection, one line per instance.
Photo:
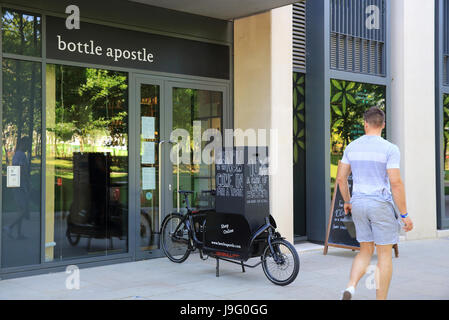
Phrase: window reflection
(149, 161)
(21, 143)
(206, 108)
(349, 101)
(87, 162)
(21, 33)
(446, 151)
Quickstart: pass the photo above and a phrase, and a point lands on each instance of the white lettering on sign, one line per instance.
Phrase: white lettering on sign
(90, 48)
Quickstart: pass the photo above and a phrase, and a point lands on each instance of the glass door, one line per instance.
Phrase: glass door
(151, 145)
(195, 109)
(162, 108)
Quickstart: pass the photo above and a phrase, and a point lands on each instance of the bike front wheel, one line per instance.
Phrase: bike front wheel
(281, 266)
(175, 238)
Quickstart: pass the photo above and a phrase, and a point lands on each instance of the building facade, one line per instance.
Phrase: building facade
(348, 56)
(88, 114)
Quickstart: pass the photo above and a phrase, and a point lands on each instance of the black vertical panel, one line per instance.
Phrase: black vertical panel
(445, 42)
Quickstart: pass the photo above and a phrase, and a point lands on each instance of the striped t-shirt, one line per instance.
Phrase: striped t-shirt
(370, 157)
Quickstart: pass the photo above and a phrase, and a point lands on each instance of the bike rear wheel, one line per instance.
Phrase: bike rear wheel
(175, 238)
(282, 265)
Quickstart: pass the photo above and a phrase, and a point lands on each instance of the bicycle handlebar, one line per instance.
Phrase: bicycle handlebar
(212, 192)
(185, 192)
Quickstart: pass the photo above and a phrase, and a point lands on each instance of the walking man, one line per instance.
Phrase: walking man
(375, 166)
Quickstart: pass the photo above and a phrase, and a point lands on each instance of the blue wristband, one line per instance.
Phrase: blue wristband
(404, 216)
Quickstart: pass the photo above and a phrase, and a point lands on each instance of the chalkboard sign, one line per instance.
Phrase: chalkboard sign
(242, 184)
(241, 201)
(341, 228)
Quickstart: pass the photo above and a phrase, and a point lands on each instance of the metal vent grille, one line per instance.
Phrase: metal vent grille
(299, 36)
(446, 43)
(445, 71)
(354, 47)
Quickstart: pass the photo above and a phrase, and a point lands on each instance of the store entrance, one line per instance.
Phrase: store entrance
(171, 117)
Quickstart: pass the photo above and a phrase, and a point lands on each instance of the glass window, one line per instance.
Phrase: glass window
(21, 33)
(21, 157)
(349, 101)
(446, 154)
(87, 162)
(205, 108)
(150, 107)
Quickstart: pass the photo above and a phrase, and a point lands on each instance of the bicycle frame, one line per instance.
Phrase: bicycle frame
(265, 242)
(187, 219)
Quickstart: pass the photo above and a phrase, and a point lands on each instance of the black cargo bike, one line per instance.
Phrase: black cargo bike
(182, 234)
(237, 229)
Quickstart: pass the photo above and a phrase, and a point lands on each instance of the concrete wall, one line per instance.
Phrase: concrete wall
(413, 105)
(263, 98)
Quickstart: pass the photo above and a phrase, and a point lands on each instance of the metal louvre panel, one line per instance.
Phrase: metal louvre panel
(381, 58)
(299, 36)
(341, 52)
(445, 72)
(333, 49)
(374, 68)
(357, 55)
(350, 54)
(446, 43)
(354, 47)
(365, 61)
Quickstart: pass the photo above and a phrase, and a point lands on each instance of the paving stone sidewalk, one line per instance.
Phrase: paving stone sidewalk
(420, 273)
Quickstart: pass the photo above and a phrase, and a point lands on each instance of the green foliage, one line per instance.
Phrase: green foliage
(298, 115)
(63, 131)
(21, 33)
(90, 104)
(446, 127)
(22, 102)
(349, 101)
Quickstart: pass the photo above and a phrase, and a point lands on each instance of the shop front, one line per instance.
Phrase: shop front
(87, 122)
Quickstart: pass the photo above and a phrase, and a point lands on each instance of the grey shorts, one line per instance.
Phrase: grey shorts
(375, 221)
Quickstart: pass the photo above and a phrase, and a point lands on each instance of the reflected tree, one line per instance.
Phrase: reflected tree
(21, 105)
(91, 106)
(349, 101)
(446, 127)
(21, 33)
